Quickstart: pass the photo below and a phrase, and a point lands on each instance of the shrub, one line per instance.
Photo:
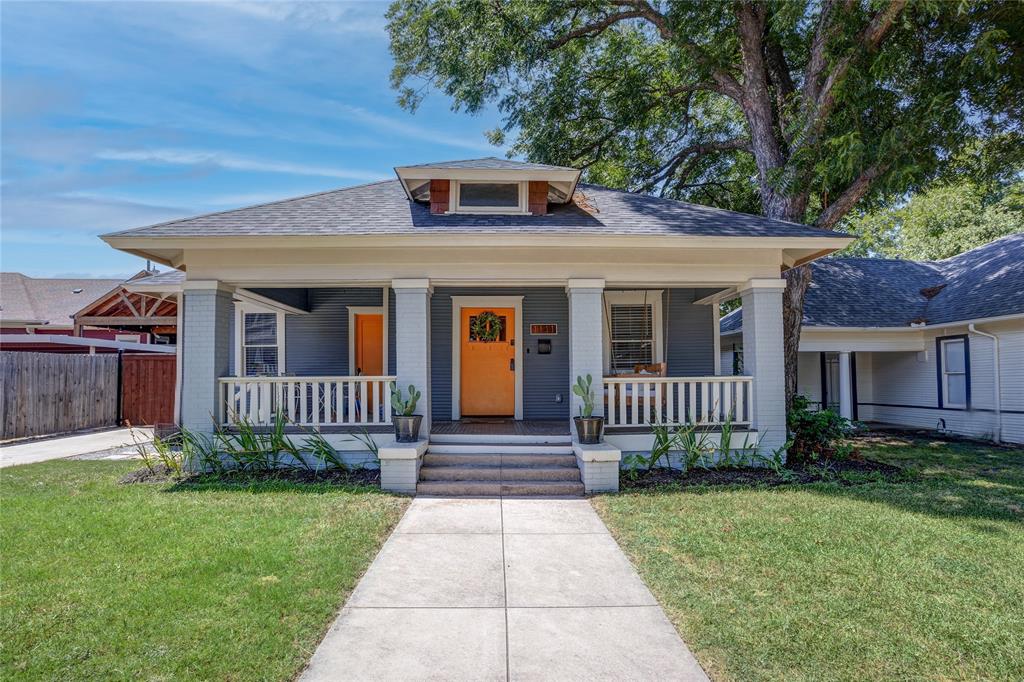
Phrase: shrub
(816, 435)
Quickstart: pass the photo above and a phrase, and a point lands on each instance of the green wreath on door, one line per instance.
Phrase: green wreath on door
(487, 327)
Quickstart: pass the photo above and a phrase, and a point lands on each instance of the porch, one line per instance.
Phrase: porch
(326, 358)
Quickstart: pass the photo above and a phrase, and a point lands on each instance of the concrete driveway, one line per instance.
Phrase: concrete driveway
(70, 446)
(501, 589)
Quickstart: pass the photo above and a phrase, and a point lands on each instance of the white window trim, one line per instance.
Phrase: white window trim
(460, 302)
(499, 210)
(240, 310)
(946, 402)
(354, 310)
(654, 298)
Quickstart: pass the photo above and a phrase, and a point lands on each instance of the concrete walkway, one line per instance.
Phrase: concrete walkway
(69, 446)
(501, 589)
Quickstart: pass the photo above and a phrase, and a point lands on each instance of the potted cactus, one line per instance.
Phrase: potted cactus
(588, 427)
(407, 424)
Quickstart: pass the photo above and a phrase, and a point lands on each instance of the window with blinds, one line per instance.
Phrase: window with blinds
(259, 344)
(632, 336)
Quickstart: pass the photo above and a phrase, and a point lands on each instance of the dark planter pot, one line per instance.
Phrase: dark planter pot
(589, 429)
(407, 429)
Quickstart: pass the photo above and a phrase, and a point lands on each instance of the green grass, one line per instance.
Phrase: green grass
(921, 578)
(152, 581)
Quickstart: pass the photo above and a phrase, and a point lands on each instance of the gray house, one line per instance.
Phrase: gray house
(932, 344)
(490, 285)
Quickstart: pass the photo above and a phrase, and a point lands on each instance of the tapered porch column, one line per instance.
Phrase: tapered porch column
(586, 341)
(763, 359)
(206, 351)
(412, 341)
(845, 384)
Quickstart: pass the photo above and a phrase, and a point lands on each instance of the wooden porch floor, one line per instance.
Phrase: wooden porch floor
(501, 427)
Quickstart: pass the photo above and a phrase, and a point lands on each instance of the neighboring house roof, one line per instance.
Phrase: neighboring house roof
(382, 208)
(490, 163)
(731, 322)
(168, 277)
(878, 292)
(36, 300)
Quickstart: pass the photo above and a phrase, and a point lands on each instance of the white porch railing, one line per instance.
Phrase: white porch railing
(638, 401)
(308, 401)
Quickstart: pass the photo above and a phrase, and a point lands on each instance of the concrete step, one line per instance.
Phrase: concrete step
(522, 460)
(492, 473)
(506, 488)
(501, 448)
(513, 439)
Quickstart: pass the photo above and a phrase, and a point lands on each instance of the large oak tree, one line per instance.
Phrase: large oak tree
(795, 109)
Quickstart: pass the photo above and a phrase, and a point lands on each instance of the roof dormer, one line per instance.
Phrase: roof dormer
(489, 186)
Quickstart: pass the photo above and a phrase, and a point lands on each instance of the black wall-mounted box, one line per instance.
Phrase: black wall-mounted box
(543, 346)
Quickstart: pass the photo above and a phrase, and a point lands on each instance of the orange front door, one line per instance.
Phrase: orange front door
(488, 382)
(369, 345)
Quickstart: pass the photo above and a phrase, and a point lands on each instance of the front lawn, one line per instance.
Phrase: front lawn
(156, 581)
(917, 578)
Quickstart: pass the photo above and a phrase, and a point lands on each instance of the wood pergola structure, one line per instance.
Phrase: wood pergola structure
(124, 308)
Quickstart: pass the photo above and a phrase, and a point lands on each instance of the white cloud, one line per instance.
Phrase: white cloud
(199, 157)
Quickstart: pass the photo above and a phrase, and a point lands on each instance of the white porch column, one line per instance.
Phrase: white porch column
(763, 359)
(586, 340)
(206, 350)
(412, 341)
(845, 384)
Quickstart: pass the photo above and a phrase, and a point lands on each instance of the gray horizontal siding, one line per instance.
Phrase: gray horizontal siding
(545, 377)
(316, 344)
(689, 333)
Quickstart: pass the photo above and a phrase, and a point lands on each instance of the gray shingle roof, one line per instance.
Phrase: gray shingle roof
(876, 292)
(382, 208)
(49, 301)
(166, 277)
(490, 163)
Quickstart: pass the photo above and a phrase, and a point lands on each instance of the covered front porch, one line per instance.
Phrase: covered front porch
(326, 357)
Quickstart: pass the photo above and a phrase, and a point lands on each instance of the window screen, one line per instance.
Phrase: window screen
(632, 336)
(954, 372)
(489, 195)
(259, 344)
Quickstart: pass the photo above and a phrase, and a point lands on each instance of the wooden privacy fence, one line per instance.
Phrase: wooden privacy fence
(46, 393)
(147, 385)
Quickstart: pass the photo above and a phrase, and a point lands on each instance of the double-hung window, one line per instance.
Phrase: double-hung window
(633, 334)
(953, 373)
(260, 342)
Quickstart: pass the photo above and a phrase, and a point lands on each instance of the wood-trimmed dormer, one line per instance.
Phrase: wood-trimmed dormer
(488, 186)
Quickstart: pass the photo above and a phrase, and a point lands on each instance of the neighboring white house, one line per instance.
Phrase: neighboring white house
(914, 343)
(490, 285)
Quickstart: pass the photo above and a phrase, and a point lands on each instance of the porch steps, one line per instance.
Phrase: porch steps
(527, 466)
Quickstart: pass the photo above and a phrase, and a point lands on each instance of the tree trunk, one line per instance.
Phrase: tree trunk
(797, 281)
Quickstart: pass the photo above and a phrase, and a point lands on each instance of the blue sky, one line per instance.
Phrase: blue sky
(123, 114)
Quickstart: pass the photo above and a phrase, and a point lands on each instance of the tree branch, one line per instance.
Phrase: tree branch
(592, 29)
(870, 39)
(725, 84)
(697, 152)
(851, 195)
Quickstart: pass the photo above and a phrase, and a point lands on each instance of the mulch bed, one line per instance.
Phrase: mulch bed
(162, 474)
(832, 472)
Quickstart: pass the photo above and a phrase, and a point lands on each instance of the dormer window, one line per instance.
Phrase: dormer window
(473, 196)
(490, 186)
